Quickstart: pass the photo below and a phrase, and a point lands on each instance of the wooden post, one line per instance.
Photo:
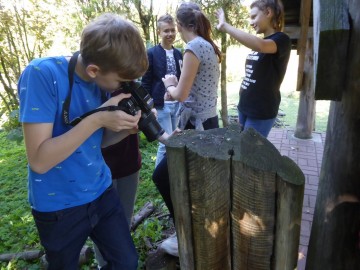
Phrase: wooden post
(331, 39)
(334, 239)
(225, 189)
(306, 111)
(305, 14)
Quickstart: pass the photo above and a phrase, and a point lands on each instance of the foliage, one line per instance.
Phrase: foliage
(24, 35)
(17, 231)
(26, 32)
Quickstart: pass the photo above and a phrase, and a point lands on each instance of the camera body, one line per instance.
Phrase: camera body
(141, 100)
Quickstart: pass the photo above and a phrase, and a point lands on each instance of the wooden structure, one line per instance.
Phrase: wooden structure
(335, 240)
(237, 201)
(298, 25)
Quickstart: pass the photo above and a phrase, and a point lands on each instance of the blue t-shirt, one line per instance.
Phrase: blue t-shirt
(83, 176)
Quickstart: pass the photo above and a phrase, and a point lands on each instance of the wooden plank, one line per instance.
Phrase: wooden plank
(289, 202)
(294, 31)
(180, 193)
(331, 39)
(209, 186)
(256, 165)
(199, 165)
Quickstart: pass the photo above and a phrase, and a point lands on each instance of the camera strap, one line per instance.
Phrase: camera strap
(66, 105)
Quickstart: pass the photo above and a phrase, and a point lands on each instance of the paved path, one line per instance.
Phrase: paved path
(308, 156)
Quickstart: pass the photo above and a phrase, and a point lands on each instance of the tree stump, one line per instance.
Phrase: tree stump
(237, 201)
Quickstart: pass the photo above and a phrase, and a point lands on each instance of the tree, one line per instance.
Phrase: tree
(24, 35)
(236, 14)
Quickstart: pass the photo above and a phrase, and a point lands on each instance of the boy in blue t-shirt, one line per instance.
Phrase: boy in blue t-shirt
(70, 189)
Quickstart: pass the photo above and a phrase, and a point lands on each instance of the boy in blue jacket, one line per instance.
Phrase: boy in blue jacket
(163, 59)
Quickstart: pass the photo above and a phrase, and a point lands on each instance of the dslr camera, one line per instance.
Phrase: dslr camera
(141, 100)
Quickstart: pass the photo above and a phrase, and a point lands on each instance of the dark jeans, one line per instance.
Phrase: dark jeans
(63, 233)
(160, 175)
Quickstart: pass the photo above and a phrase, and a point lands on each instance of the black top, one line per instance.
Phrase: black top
(260, 90)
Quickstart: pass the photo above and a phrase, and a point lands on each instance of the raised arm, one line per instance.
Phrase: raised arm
(251, 41)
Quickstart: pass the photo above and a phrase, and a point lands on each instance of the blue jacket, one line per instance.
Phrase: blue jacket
(151, 80)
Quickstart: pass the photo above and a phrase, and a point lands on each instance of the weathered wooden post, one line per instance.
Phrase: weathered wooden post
(237, 201)
(334, 239)
(306, 112)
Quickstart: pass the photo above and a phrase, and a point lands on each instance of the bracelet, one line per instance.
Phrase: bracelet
(169, 86)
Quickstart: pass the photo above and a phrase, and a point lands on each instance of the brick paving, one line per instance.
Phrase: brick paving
(307, 154)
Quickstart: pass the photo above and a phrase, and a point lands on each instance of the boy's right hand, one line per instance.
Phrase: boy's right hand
(119, 120)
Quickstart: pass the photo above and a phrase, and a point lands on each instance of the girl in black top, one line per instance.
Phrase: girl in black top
(265, 66)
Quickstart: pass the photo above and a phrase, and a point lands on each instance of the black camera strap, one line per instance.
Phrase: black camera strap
(66, 105)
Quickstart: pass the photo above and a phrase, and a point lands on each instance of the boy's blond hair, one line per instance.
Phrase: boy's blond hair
(115, 45)
(167, 18)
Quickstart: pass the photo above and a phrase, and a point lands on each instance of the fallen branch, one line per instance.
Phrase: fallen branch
(25, 255)
(140, 216)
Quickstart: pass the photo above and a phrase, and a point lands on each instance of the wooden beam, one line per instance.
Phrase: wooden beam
(305, 12)
(331, 39)
(294, 32)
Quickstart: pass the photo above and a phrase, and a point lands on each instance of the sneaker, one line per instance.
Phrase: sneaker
(170, 245)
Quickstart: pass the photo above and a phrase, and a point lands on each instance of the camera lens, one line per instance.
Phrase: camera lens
(150, 127)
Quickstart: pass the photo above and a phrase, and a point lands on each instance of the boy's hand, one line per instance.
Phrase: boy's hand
(221, 17)
(114, 101)
(119, 120)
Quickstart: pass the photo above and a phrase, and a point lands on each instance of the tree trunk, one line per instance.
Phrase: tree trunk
(223, 79)
(334, 240)
(306, 112)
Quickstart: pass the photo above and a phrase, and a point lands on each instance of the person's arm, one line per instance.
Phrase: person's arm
(180, 90)
(45, 151)
(251, 41)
